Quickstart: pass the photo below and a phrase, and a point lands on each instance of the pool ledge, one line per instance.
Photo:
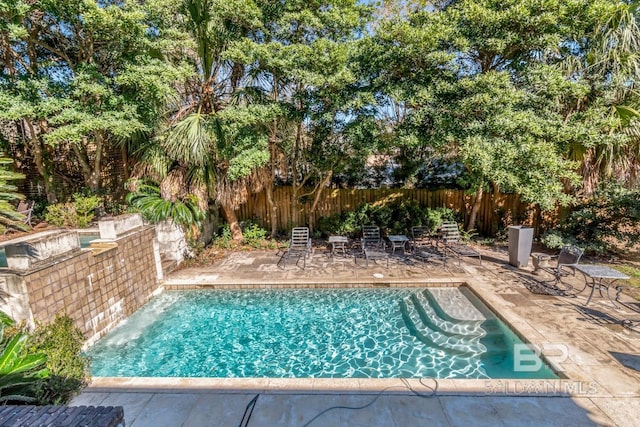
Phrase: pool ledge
(390, 386)
(215, 282)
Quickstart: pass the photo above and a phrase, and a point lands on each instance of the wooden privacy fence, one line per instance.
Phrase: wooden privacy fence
(493, 216)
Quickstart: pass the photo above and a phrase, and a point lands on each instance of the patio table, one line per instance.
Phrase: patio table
(398, 241)
(375, 254)
(338, 243)
(600, 276)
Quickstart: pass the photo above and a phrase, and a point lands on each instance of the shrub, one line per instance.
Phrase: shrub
(553, 239)
(85, 208)
(76, 214)
(252, 234)
(394, 218)
(62, 343)
(61, 215)
(224, 239)
(603, 223)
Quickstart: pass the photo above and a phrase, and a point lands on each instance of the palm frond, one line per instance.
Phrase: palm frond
(618, 42)
(626, 113)
(153, 163)
(192, 140)
(184, 212)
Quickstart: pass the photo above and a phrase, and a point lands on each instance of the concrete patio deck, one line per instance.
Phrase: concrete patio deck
(598, 358)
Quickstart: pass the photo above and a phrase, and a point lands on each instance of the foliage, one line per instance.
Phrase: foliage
(21, 370)
(489, 85)
(81, 77)
(467, 235)
(85, 208)
(302, 62)
(252, 235)
(477, 110)
(115, 208)
(553, 239)
(76, 214)
(61, 342)
(61, 215)
(184, 212)
(607, 222)
(217, 129)
(527, 97)
(9, 217)
(604, 59)
(223, 240)
(393, 217)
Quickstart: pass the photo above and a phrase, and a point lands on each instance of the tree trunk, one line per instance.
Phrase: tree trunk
(90, 172)
(475, 208)
(273, 211)
(96, 178)
(230, 216)
(316, 198)
(124, 156)
(41, 159)
(294, 175)
(494, 210)
(273, 155)
(590, 172)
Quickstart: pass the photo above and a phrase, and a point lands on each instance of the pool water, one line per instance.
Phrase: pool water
(299, 333)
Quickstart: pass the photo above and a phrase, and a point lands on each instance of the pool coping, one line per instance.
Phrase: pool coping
(212, 282)
(562, 387)
(397, 386)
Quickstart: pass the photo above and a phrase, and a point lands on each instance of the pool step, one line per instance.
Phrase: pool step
(457, 343)
(454, 305)
(431, 317)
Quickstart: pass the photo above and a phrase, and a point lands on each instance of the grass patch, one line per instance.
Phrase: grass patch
(633, 284)
(632, 271)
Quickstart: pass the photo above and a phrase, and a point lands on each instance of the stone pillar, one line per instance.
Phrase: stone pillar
(14, 298)
(113, 227)
(172, 242)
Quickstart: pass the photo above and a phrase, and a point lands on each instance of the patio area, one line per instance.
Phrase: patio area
(598, 357)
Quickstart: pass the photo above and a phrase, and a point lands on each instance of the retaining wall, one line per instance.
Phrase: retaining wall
(96, 287)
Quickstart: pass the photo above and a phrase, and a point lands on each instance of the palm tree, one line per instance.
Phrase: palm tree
(213, 141)
(611, 65)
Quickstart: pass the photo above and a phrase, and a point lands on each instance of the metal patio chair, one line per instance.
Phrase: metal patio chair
(566, 262)
(25, 207)
(423, 246)
(452, 241)
(420, 237)
(373, 245)
(299, 247)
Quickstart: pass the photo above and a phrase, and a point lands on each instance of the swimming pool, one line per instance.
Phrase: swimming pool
(321, 333)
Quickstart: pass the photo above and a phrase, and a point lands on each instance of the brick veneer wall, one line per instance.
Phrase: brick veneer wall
(96, 288)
